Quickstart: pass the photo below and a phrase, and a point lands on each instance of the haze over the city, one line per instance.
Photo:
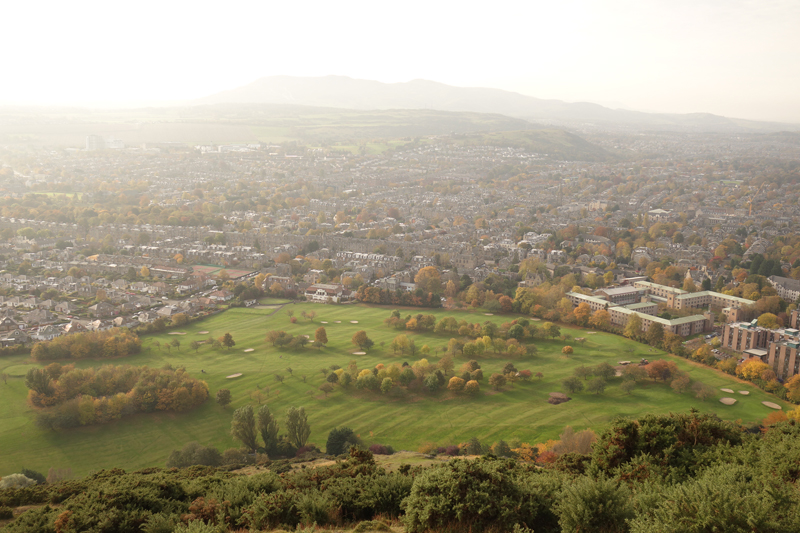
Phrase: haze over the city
(732, 58)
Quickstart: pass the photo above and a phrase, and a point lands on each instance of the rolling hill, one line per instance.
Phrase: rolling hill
(349, 93)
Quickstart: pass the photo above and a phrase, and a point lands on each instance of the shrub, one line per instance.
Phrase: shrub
(380, 449)
(34, 475)
(724, 498)
(6, 513)
(235, 457)
(597, 505)
(427, 448)
(452, 450)
(194, 454)
(368, 526)
(340, 440)
(488, 497)
(308, 448)
(16, 481)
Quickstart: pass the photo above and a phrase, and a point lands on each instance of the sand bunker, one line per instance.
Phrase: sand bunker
(772, 405)
(557, 398)
(727, 401)
(176, 333)
(322, 322)
(233, 376)
(729, 391)
(591, 332)
(359, 353)
(744, 392)
(250, 350)
(202, 333)
(337, 321)
(354, 321)
(489, 314)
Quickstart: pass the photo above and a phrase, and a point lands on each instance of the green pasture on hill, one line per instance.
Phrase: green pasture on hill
(403, 420)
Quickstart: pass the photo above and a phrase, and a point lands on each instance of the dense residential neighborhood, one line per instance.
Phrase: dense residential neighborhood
(693, 232)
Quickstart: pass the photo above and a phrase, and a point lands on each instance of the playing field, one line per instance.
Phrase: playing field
(213, 270)
(404, 421)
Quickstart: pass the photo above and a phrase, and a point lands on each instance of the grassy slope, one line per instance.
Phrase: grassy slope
(520, 411)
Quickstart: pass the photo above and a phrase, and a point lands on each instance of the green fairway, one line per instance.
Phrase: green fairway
(403, 421)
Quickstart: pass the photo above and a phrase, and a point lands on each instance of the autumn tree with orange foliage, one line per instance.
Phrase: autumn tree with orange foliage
(793, 387)
(662, 370)
(774, 418)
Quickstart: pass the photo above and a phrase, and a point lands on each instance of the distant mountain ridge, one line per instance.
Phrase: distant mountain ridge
(349, 93)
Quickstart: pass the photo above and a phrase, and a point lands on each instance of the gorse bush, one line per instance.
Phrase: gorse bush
(660, 474)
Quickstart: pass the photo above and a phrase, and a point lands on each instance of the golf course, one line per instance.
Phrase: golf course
(400, 418)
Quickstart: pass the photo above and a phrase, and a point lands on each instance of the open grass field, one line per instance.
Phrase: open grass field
(268, 300)
(213, 270)
(519, 411)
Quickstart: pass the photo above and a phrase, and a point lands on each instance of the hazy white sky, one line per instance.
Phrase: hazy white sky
(736, 58)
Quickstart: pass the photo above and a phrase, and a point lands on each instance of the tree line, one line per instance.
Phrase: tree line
(72, 396)
(115, 342)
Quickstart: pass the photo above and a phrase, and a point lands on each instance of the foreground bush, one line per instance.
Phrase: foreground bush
(660, 474)
(486, 494)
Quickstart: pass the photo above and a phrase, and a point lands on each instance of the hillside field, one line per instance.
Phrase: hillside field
(403, 421)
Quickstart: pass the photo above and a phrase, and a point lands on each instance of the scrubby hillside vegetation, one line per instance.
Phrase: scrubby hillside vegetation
(673, 473)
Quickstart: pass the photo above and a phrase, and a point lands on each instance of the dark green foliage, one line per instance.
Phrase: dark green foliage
(243, 427)
(597, 505)
(194, 454)
(34, 475)
(678, 473)
(297, 427)
(474, 447)
(268, 428)
(724, 498)
(6, 513)
(673, 439)
(484, 493)
(339, 440)
(431, 383)
(572, 385)
(224, 397)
